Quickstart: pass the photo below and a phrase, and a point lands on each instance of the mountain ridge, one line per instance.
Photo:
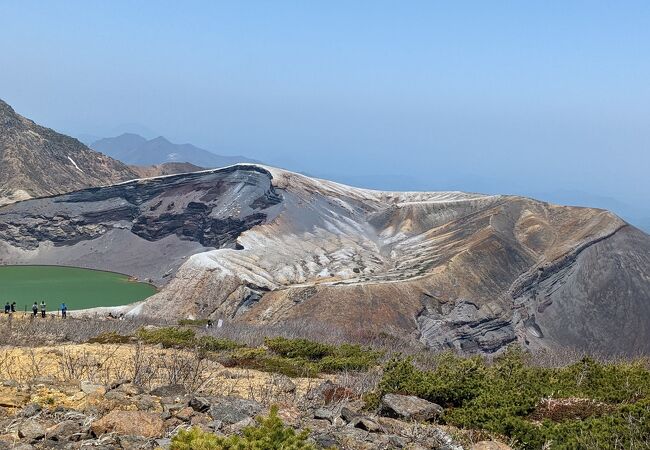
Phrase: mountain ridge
(255, 244)
(38, 161)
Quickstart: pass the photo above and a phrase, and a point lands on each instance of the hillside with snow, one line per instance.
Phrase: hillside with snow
(37, 161)
(249, 243)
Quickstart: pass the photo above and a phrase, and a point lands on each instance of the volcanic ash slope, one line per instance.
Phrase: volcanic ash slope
(455, 270)
(249, 243)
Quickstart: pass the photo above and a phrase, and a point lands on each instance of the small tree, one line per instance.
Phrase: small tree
(269, 434)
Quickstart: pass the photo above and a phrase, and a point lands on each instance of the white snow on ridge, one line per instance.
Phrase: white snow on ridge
(285, 179)
(75, 164)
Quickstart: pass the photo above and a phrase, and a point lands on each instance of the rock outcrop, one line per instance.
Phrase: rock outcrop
(125, 421)
(36, 161)
(260, 245)
(145, 228)
(409, 407)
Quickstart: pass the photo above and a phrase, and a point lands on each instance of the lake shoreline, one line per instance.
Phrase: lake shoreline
(80, 288)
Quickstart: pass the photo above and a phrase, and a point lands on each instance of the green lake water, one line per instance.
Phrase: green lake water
(78, 288)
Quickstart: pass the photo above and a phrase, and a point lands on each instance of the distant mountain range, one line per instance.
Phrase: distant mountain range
(136, 150)
(36, 161)
(170, 168)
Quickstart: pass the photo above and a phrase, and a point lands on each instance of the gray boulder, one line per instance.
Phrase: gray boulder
(231, 410)
(30, 410)
(31, 430)
(131, 442)
(365, 423)
(129, 389)
(200, 404)
(171, 390)
(409, 407)
(324, 414)
(68, 430)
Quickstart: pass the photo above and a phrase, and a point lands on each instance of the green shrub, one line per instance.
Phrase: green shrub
(260, 359)
(454, 381)
(291, 367)
(168, 337)
(291, 357)
(110, 337)
(193, 322)
(212, 344)
(269, 434)
(196, 439)
(621, 382)
(329, 358)
(350, 357)
(505, 396)
(298, 348)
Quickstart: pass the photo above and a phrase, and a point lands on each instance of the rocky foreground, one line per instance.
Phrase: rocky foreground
(71, 384)
(48, 412)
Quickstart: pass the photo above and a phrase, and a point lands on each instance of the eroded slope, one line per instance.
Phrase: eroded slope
(257, 244)
(37, 161)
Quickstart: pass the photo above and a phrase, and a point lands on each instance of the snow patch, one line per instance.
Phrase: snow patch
(75, 164)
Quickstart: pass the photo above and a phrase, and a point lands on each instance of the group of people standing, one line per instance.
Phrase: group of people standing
(10, 308)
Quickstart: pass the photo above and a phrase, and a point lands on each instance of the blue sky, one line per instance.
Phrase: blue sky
(540, 98)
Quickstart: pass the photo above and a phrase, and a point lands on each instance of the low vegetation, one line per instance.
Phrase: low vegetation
(269, 434)
(592, 404)
(110, 337)
(172, 337)
(291, 357)
(302, 357)
(529, 401)
(193, 322)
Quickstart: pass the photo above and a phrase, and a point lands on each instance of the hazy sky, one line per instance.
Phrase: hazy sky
(516, 97)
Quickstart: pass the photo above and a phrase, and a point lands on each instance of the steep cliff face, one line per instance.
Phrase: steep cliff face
(37, 161)
(144, 227)
(454, 270)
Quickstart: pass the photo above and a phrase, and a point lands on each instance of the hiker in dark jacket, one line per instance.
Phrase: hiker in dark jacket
(7, 308)
(13, 307)
(35, 309)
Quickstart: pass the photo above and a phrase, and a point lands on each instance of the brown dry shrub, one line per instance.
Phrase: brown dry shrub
(559, 409)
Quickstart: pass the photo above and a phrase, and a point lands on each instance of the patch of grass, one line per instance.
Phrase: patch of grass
(212, 344)
(298, 348)
(349, 357)
(502, 398)
(291, 357)
(193, 322)
(168, 337)
(260, 359)
(269, 433)
(329, 358)
(185, 338)
(110, 337)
